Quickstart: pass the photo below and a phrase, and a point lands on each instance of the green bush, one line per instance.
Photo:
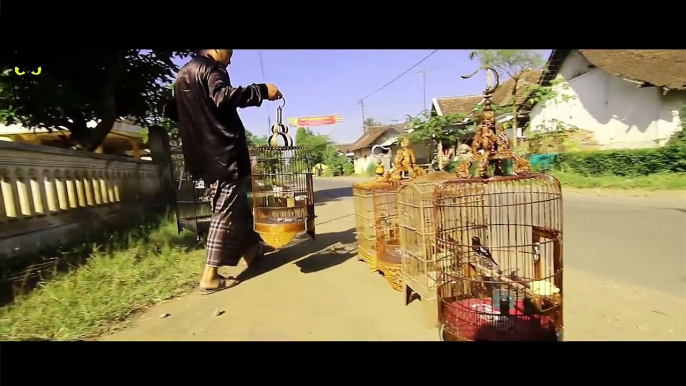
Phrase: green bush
(628, 162)
(348, 169)
(370, 169)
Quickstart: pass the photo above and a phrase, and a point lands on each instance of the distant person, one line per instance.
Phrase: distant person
(215, 150)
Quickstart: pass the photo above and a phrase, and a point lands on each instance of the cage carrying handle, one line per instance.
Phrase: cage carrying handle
(279, 130)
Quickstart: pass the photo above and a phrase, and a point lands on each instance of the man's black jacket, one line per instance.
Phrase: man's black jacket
(212, 133)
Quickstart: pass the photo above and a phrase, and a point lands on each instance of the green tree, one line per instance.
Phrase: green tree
(316, 143)
(513, 63)
(255, 140)
(371, 122)
(439, 130)
(337, 162)
(76, 87)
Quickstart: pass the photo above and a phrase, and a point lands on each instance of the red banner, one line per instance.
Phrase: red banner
(315, 121)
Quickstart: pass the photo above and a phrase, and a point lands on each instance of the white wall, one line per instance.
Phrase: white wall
(618, 113)
(363, 157)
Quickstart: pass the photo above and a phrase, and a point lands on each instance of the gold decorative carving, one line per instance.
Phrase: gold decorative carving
(392, 273)
(491, 146)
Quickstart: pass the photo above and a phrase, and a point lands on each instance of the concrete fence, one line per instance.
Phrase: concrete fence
(51, 196)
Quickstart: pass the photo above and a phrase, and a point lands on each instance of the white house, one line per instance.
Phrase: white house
(386, 136)
(362, 148)
(625, 98)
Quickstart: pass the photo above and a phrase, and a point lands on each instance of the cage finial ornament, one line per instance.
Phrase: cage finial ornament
(282, 187)
(491, 146)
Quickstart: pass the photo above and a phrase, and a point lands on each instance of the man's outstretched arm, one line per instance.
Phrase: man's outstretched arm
(226, 96)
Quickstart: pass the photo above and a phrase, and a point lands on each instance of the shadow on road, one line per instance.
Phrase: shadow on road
(328, 250)
(334, 194)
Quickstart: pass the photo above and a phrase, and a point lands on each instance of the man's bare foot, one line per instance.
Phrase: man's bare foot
(212, 280)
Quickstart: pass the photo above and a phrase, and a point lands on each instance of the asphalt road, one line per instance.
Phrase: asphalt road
(638, 240)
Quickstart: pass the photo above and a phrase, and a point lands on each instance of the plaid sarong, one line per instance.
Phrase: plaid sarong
(231, 228)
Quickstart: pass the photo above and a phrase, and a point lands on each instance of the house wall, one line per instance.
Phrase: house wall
(619, 114)
(363, 157)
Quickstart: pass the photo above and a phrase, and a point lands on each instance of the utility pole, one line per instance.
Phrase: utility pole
(264, 79)
(364, 125)
(423, 72)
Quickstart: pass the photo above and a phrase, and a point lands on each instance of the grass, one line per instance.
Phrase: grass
(666, 181)
(116, 282)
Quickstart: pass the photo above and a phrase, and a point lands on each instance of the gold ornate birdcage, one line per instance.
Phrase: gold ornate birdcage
(418, 240)
(500, 236)
(363, 200)
(282, 190)
(385, 198)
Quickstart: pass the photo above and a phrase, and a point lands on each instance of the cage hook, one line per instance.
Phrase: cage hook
(489, 90)
(279, 130)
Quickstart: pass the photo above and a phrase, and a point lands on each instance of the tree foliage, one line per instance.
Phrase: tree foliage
(255, 140)
(322, 151)
(76, 87)
(425, 127)
(371, 122)
(513, 63)
(317, 143)
(337, 162)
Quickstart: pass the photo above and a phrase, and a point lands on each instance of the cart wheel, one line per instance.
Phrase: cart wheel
(440, 332)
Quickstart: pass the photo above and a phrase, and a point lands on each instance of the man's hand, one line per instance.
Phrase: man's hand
(274, 93)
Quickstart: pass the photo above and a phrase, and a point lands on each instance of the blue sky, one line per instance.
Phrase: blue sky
(324, 82)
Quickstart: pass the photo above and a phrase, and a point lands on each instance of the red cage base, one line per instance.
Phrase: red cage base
(477, 320)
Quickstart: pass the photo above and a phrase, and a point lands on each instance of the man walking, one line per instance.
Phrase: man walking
(215, 149)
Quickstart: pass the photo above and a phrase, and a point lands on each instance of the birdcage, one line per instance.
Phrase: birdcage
(193, 198)
(385, 199)
(282, 190)
(418, 240)
(363, 201)
(501, 232)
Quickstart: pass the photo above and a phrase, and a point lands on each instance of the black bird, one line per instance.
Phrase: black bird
(484, 253)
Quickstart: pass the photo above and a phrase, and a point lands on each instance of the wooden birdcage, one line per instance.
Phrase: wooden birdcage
(385, 198)
(282, 188)
(363, 200)
(193, 197)
(500, 236)
(418, 240)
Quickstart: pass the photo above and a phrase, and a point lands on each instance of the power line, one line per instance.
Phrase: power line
(360, 102)
(399, 76)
